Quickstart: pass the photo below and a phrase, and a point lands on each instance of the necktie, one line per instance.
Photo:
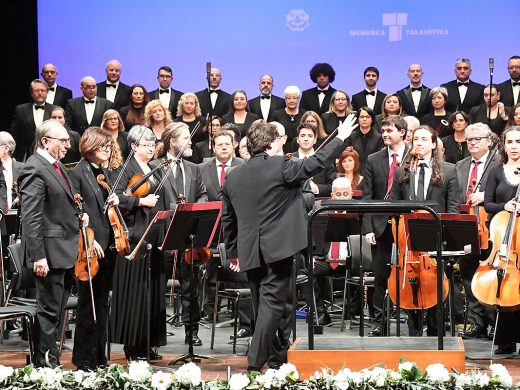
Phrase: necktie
(39, 107)
(472, 180)
(222, 174)
(51, 89)
(63, 178)
(420, 185)
(111, 85)
(373, 93)
(391, 173)
(334, 254)
(163, 91)
(460, 84)
(179, 180)
(417, 89)
(89, 101)
(265, 97)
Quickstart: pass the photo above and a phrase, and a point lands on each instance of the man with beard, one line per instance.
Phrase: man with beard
(510, 89)
(266, 104)
(416, 96)
(370, 97)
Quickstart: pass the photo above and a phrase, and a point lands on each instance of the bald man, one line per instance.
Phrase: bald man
(112, 88)
(213, 100)
(416, 96)
(56, 94)
(266, 104)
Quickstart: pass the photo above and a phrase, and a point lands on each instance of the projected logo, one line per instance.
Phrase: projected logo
(297, 20)
(395, 23)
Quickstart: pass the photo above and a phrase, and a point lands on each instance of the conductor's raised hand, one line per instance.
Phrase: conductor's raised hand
(345, 129)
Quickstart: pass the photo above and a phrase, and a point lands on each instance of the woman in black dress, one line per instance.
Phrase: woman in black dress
(113, 123)
(501, 187)
(290, 116)
(239, 113)
(391, 106)
(455, 145)
(189, 112)
(339, 108)
(496, 110)
(90, 338)
(133, 114)
(157, 117)
(204, 148)
(438, 118)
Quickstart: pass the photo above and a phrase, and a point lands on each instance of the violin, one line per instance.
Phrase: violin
(116, 222)
(87, 265)
(138, 184)
(480, 213)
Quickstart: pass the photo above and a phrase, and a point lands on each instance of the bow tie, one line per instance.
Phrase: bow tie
(373, 93)
(163, 91)
(515, 83)
(51, 89)
(265, 97)
(39, 107)
(416, 89)
(323, 91)
(217, 91)
(89, 101)
(460, 83)
(111, 85)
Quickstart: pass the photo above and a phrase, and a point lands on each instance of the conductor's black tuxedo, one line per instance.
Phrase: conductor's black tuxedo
(175, 96)
(474, 96)
(122, 94)
(310, 100)
(61, 95)
(424, 107)
(222, 103)
(76, 116)
(506, 93)
(360, 100)
(277, 103)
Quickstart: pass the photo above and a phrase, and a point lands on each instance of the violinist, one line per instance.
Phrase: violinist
(470, 172)
(185, 180)
(90, 337)
(379, 173)
(129, 298)
(427, 178)
(500, 194)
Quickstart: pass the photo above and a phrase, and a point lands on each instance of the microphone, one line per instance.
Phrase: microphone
(208, 67)
(491, 65)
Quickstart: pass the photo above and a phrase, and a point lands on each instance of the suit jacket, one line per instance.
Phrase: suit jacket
(474, 96)
(203, 150)
(323, 178)
(463, 171)
(424, 107)
(263, 214)
(175, 96)
(447, 194)
(23, 128)
(49, 218)
(61, 95)
(374, 143)
(310, 100)
(122, 94)
(277, 103)
(211, 180)
(76, 116)
(360, 100)
(221, 105)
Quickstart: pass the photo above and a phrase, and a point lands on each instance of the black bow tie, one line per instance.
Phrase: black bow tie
(265, 97)
(373, 93)
(416, 89)
(51, 89)
(460, 83)
(323, 91)
(217, 91)
(39, 107)
(515, 83)
(163, 91)
(111, 85)
(89, 101)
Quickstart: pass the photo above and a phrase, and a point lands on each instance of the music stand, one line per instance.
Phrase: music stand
(193, 225)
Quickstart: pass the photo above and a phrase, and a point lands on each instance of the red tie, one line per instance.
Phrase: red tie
(334, 254)
(393, 167)
(472, 179)
(63, 178)
(222, 174)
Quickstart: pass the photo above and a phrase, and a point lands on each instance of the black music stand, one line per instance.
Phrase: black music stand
(193, 226)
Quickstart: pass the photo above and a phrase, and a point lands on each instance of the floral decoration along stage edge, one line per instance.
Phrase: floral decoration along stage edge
(139, 375)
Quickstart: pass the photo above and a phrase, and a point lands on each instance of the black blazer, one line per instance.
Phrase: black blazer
(49, 220)
(23, 128)
(277, 103)
(175, 96)
(61, 95)
(424, 107)
(463, 172)
(374, 142)
(76, 116)
(310, 100)
(122, 94)
(360, 100)
(208, 171)
(221, 105)
(506, 93)
(474, 96)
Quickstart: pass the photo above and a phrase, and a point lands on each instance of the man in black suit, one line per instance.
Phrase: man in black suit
(167, 95)
(370, 97)
(264, 224)
(113, 89)
(87, 110)
(56, 94)
(267, 103)
(49, 233)
(478, 138)
(28, 117)
(510, 89)
(379, 173)
(318, 99)
(416, 96)
(214, 101)
(463, 93)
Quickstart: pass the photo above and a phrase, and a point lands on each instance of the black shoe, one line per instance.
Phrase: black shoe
(324, 318)
(376, 332)
(207, 319)
(154, 355)
(474, 332)
(505, 349)
(491, 333)
(241, 334)
(196, 342)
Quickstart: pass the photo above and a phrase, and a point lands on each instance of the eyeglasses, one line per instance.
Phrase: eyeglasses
(106, 147)
(475, 139)
(90, 87)
(114, 119)
(62, 141)
(365, 117)
(346, 194)
(147, 146)
(340, 99)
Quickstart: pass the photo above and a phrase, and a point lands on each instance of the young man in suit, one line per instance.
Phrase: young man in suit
(264, 223)
(56, 94)
(370, 97)
(510, 89)
(28, 117)
(214, 101)
(87, 110)
(113, 89)
(463, 93)
(266, 104)
(379, 174)
(318, 99)
(49, 234)
(416, 96)
(167, 95)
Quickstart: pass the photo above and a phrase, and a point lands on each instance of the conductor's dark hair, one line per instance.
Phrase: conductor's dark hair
(322, 68)
(260, 136)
